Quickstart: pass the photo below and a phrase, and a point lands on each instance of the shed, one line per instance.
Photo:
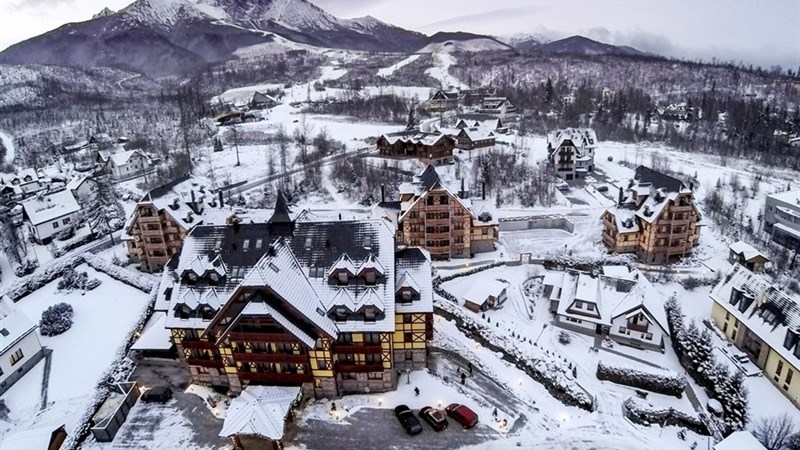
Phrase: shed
(744, 254)
(485, 294)
(256, 419)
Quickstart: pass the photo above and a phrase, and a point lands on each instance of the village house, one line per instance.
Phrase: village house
(571, 152)
(430, 215)
(329, 306)
(782, 218)
(23, 183)
(429, 148)
(20, 348)
(617, 303)
(763, 322)
(124, 164)
(163, 217)
(83, 188)
(500, 107)
(48, 214)
(481, 121)
(261, 101)
(441, 101)
(656, 218)
(744, 254)
(485, 294)
(473, 138)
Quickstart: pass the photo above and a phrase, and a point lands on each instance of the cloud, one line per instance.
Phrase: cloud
(34, 4)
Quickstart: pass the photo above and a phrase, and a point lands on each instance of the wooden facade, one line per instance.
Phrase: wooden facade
(156, 236)
(429, 148)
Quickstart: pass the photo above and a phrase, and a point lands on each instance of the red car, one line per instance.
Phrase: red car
(434, 417)
(462, 415)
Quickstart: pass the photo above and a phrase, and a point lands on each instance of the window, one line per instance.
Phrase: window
(346, 357)
(408, 337)
(406, 295)
(372, 338)
(727, 315)
(369, 314)
(578, 304)
(789, 374)
(55, 225)
(370, 277)
(406, 318)
(622, 330)
(648, 336)
(17, 355)
(375, 375)
(372, 358)
(342, 277)
(590, 306)
(66, 220)
(259, 242)
(246, 244)
(779, 369)
(409, 356)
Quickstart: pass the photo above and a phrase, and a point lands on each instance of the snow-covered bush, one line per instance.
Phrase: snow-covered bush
(662, 381)
(118, 273)
(51, 271)
(65, 234)
(56, 319)
(55, 250)
(564, 337)
(79, 241)
(642, 412)
(26, 267)
(74, 280)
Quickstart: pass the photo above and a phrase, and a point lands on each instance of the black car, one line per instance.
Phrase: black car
(160, 394)
(434, 417)
(602, 188)
(407, 420)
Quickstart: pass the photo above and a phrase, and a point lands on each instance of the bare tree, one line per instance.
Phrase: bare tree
(774, 432)
(302, 135)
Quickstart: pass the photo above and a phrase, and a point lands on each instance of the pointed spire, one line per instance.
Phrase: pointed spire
(281, 213)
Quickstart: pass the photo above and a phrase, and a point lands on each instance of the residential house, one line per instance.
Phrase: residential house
(571, 152)
(429, 148)
(256, 419)
(330, 306)
(261, 101)
(101, 141)
(656, 218)
(473, 138)
(230, 118)
(25, 182)
(20, 348)
(9, 193)
(83, 188)
(677, 112)
(762, 321)
(485, 294)
(744, 254)
(164, 216)
(739, 440)
(624, 307)
(47, 214)
(782, 218)
(441, 100)
(500, 107)
(430, 215)
(124, 164)
(482, 121)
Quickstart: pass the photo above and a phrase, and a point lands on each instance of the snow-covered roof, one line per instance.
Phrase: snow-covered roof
(423, 183)
(415, 137)
(120, 158)
(14, 324)
(260, 411)
(414, 271)
(46, 207)
(654, 205)
(644, 298)
(765, 310)
(746, 250)
(77, 181)
(155, 335)
(739, 440)
(484, 121)
(625, 219)
(20, 176)
(580, 138)
(482, 289)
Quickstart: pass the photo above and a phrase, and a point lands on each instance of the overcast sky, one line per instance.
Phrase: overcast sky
(762, 32)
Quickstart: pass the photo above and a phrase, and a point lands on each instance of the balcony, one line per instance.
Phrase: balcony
(151, 233)
(149, 219)
(277, 378)
(261, 337)
(271, 357)
(437, 236)
(638, 327)
(358, 368)
(354, 348)
(203, 345)
(681, 209)
(214, 363)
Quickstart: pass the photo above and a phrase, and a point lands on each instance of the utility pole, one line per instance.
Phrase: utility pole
(236, 143)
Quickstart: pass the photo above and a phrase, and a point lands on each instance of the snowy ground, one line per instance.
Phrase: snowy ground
(441, 71)
(388, 71)
(103, 318)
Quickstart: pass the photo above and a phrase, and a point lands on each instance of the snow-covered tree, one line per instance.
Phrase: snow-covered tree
(104, 213)
(56, 319)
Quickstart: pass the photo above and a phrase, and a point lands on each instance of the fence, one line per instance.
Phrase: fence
(536, 223)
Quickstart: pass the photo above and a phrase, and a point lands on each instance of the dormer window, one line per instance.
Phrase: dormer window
(340, 314)
(342, 278)
(213, 278)
(370, 314)
(183, 311)
(406, 296)
(191, 278)
(370, 277)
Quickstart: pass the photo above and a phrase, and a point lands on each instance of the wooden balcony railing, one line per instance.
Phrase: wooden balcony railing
(271, 357)
(638, 327)
(358, 368)
(355, 348)
(204, 345)
(214, 363)
(261, 337)
(277, 378)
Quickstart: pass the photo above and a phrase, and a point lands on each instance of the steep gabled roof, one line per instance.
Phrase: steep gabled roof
(658, 179)
(14, 324)
(260, 411)
(282, 212)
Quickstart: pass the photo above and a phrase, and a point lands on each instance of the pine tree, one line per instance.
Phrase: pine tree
(104, 213)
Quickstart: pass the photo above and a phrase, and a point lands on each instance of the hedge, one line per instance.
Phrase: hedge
(662, 382)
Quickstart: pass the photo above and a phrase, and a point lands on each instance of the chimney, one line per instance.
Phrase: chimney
(194, 202)
(691, 186)
(483, 190)
(462, 189)
(621, 196)
(221, 201)
(383, 193)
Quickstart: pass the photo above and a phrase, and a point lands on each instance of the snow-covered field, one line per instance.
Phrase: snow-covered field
(102, 319)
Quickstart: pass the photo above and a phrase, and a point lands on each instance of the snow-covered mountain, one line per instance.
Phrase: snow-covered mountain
(579, 45)
(463, 42)
(161, 37)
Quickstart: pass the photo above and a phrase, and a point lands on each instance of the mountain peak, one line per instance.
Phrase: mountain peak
(105, 12)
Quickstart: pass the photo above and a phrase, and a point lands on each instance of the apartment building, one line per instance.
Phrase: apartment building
(763, 322)
(571, 152)
(656, 218)
(330, 306)
(782, 218)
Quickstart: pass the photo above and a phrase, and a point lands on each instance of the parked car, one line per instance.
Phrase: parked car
(434, 417)
(407, 420)
(462, 415)
(159, 394)
(602, 188)
(561, 185)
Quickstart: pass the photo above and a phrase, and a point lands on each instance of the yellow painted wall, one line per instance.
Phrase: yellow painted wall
(793, 391)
